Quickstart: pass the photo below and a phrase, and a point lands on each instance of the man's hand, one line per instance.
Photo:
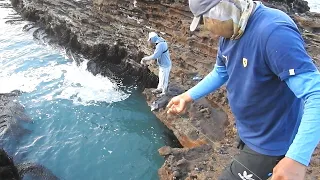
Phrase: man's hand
(289, 169)
(178, 103)
(143, 61)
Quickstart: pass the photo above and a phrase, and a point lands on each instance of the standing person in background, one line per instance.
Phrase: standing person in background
(162, 56)
(272, 84)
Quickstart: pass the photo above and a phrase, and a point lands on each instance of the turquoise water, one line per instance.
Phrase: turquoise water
(84, 126)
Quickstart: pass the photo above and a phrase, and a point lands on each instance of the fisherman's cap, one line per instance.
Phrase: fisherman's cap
(151, 35)
(198, 8)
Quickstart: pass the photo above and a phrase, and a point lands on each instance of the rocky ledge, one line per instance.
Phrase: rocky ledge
(112, 35)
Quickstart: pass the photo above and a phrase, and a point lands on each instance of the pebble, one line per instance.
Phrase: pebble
(166, 150)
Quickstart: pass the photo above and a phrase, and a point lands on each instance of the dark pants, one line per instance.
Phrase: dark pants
(249, 164)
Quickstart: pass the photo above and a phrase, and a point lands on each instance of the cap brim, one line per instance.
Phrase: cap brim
(195, 23)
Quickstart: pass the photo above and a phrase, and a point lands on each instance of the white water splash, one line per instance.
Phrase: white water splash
(83, 87)
(47, 73)
(314, 5)
(63, 81)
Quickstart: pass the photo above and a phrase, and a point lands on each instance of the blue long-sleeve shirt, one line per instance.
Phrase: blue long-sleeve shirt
(161, 53)
(216, 78)
(273, 115)
(305, 86)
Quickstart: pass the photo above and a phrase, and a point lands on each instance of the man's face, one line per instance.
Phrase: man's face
(150, 44)
(216, 27)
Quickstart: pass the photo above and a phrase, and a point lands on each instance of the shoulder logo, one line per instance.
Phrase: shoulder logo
(245, 62)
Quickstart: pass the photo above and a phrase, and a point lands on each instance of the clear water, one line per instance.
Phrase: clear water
(84, 126)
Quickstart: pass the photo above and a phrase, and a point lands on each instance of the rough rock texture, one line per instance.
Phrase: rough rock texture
(82, 28)
(11, 116)
(10, 171)
(35, 171)
(112, 35)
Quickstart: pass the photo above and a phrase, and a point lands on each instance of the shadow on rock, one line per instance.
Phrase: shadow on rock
(162, 101)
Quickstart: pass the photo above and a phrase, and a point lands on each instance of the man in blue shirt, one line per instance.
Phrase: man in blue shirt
(162, 56)
(273, 87)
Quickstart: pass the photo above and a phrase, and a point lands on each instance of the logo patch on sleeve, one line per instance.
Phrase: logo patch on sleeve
(291, 72)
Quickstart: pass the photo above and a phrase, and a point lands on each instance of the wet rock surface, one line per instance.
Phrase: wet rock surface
(10, 171)
(112, 35)
(11, 116)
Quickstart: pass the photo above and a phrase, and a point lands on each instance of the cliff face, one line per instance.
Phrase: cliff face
(83, 29)
(112, 35)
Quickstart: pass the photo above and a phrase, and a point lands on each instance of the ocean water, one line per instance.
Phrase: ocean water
(83, 126)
